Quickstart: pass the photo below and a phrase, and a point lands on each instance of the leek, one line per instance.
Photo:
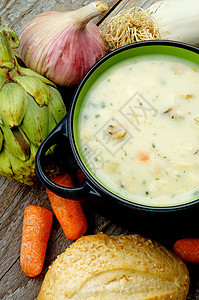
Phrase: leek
(177, 20)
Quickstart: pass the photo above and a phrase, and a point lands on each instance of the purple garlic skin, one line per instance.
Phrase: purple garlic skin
(62, 46)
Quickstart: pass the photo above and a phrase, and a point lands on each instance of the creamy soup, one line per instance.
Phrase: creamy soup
(139, 130)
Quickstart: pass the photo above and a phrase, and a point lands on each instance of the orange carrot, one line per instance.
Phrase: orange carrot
(37, 224)
(188, 249)
(69, 213)
(80, 176)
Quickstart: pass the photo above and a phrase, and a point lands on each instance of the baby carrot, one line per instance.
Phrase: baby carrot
(37, 224)
(188, 249)
(69, 213)
(80, 176)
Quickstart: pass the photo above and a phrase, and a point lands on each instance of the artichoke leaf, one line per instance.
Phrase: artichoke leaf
(16, 142)
(5, 166)
(26, 168)
(3, 80)
(29, 72)
(3, 72)
(7, 59)
(35, 123)
(56, 104)
(13, 101)
(14, 40)
(24, 171)
(1, 139)
(35, 87)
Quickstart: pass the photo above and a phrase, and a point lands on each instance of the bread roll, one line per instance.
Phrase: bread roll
(116, 267)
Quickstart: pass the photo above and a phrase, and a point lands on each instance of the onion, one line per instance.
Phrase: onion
(63, 46)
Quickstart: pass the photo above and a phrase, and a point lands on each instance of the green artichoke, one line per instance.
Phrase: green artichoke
(30, 107)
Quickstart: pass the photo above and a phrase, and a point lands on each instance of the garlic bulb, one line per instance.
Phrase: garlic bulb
(63, 46)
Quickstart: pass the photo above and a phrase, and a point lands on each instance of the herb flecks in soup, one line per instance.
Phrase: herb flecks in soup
(139, 130)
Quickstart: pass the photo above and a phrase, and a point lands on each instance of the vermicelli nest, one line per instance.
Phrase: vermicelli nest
(129, 26)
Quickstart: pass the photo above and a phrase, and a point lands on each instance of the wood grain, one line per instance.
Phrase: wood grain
(126, 4)
(16, 13)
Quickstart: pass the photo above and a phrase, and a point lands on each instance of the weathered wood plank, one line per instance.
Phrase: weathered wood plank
(11, 221)
(16, 13)
(126, 4)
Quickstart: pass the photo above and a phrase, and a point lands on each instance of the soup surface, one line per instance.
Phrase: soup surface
(139, 130)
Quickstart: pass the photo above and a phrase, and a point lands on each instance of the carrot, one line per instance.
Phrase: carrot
(37, 224)
(188, 249)
(69, 213)
(80, 176)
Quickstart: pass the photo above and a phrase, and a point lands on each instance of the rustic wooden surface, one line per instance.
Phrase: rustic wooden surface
(14, 196)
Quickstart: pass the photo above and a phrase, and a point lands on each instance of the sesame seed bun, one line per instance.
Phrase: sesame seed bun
(116, 267)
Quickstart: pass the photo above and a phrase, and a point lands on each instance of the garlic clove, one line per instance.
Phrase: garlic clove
(63, 46)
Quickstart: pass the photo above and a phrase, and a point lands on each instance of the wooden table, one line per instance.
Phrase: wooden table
(14, 196)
